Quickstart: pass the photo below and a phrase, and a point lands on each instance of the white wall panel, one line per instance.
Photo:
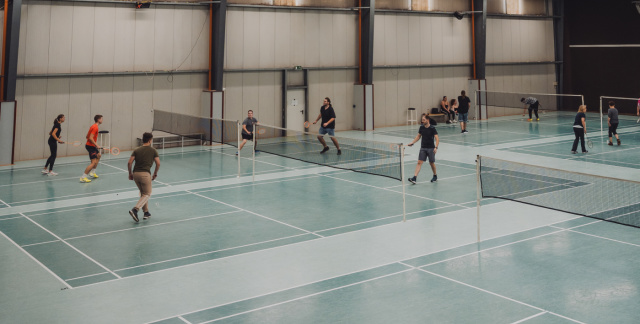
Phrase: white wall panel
(34, 107)
(515, 40)
(402, 39)
(102, 101)
(57, 103)
(142, 106)
(124, 39)
(234, 39)
(425, 40)
(326, 47)
(233, 96)
(37, 38)
(390, 40)
(19, 120)
(298, 36)
(24, 13)
(122, 135)
(79, 119)
(104, 38)
(162, 92)
(181, 94)
(436, 41)
(414, 39)
(266, 39)
(379, 39)
(282, 38)
(163, 42)
(340, 41)
(267, 107)
(391, 99)
(182, 39)
(250, 92)
(82, 40)
(200, 37)
(144, 40)
(60, 36)
(251, 39)
(312, 47)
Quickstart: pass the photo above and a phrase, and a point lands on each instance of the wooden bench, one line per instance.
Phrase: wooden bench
(163, 140)
(440, 118)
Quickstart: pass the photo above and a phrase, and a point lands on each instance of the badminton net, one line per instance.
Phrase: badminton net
(508, 103)
(607, 199)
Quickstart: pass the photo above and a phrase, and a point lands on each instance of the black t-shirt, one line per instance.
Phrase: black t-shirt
(578, 121)
(463, 104)
(428, 136)
(55, 125)
(327, 114)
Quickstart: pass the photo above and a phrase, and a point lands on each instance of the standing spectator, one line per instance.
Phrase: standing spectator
(54, 139)
(612, 121)
(463, 111)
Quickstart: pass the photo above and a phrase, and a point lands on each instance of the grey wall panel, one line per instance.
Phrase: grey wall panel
(414, 39)
(415, 90)
(233, 96)
(37, 37)
(144, 40)
(326, 49)
(404, 95)
(142, 106)
(182, 39)
(33, 137)
(344, 40)
(104, 38)
(391, 40)
(437, 55)
(24, 14)
(402, 39)
(268, 106)
(19, 121)
(60, 37)
(122, 135)
(297, 31)
(102, 102)
(391, 98)
(163, 39)
(181, 95)
(80, 118)
(82, 40)
(425, 40)
(198, 83)
(428, 99)
(57, 103)
(282, 38)
(461, 41)
(266, 41)
(124, 39)
(234, 39)
(200, 37)
(379, 38)
(342, 96)
(251, 39)
(380, 97)
(250, 93)
(162, 92)
(312, 46)
(513, 40)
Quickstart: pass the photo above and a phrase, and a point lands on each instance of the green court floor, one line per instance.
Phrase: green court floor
(306, 243)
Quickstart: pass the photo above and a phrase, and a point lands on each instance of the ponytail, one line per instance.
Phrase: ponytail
(57, 120)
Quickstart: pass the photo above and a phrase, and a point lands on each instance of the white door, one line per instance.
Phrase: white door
(295, 110)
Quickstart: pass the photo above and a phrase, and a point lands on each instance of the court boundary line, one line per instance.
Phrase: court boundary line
(49, 179)
(71, 246)
(598, 236)
(530, 317)
(37, 261)
(4, 203)
(87, 276)
(184, 320)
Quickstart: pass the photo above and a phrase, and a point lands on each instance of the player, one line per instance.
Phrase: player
(54, 139)
(580, 129)
(533, 105)
(247, 130)
(144, 157)
(94, 150)
(612, 121)
(328, 126)
(427, 148)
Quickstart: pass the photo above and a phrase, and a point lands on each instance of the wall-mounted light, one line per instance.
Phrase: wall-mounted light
(460, 14)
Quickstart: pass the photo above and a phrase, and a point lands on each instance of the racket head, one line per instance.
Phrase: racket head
(589, 143)
(76, 143)
(261, 131)
(638, 121)
(307, 124)
(115, 151)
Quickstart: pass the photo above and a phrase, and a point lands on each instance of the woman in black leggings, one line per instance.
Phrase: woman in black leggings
(54, 139)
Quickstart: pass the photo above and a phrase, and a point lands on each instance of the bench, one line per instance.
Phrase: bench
(438, 118)
(164, 140)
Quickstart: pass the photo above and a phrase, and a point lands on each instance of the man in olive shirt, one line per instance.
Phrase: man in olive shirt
(144, 156)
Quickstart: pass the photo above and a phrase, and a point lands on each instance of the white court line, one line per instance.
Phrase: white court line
(71, 246)
(3, 219)
(84, 195)
(36, 261)
(184, 320)
(597, 236)
(259, 183)
(250, 212)
(115, 167)
(209, 252)
(47, 179)
(39, 243)
(4, 203)
(152, 225)
(306, 296)
(91, 275)
(530, 317)
(448, 178)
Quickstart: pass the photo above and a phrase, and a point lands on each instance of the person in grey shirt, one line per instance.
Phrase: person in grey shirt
(247, 130)
(533, 106)
(612, 121)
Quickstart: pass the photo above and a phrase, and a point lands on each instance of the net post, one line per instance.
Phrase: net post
(601, 116)
(404, 201)
(479, 195)
(253, 174)
(238, 147)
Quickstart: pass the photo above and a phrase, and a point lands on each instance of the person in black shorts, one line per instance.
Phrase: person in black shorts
(612, 121)
(580, 129)
(54, 139)
(328, 125)
(533, 106)
(247, 130)
(463, 111)
(427, 148)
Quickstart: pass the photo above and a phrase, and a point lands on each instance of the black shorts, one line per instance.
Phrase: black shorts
(247, 136)
(93, 151)
(534, 105)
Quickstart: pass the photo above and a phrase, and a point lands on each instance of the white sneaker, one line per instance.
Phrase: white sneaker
(52, 174)
(45, 171)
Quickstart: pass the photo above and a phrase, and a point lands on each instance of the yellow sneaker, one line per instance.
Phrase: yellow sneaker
(85, 180)
(529, 119)
(537, 119)
(94, 175)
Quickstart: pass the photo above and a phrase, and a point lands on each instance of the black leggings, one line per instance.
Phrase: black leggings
(450, 114)
(53, 146)
(535, 110)
(613, 129)
(579, 136)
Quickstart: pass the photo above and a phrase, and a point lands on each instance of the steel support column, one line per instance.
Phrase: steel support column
(365, 63)
(217, 32)
(479, 39)
(11, 51)
(558, 38)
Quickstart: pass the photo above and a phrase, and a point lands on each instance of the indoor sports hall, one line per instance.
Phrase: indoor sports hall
(519, 226)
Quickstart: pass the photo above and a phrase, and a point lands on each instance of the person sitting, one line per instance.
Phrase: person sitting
(444, 108)
(454, 107)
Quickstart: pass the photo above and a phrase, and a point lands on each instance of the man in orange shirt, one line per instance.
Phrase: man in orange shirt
(94, 150)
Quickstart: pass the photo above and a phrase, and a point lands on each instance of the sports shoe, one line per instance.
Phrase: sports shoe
(93, 174)
(619, 142)
(326, 148)
(462, 131)
(435, 178)
(339, 152)
(413, 180)
(574, 152)
(45, 171)
(529, 119)
(537, 119)
(610, 143)
(448, 122)
(583, 152)
(134, 214)
(236, 152)
(466, 131)
(51, 173)
(85, 180)
(147, 215)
